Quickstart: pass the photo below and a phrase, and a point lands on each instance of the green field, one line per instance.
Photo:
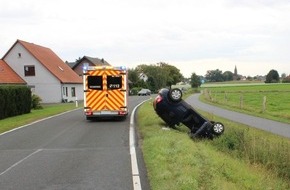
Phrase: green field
(265, 100)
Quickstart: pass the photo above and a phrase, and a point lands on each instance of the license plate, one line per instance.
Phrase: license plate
(106, 112)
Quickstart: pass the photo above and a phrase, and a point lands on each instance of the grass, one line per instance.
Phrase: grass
(233, 83)
(240, 159)
(265, 100)
(48, 110)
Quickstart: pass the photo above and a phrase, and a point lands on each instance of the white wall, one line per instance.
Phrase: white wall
(46, 85)
(68, 96)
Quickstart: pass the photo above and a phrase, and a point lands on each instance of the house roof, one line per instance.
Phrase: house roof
(71, 64)
(96, 61)
(8, 75)
(93, 60)
(51, 62)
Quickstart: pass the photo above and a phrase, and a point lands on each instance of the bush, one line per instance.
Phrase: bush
(286, 80)
(35, 103)
(14, 100)
(134, 91)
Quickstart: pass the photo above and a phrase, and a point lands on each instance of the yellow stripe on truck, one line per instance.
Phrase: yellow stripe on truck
(115, 99)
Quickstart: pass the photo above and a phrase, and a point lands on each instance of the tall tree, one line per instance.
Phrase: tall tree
(173, 73)
(133, 75)
(195, 81)
(272, 77)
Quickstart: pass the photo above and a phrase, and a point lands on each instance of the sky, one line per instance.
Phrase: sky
(194, 36)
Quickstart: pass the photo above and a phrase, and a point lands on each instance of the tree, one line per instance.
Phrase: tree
(195, 81)
(283, 75)
(272, 77)
(250, 78)
(214, 76)
(174, 75)
(228, 76)
(160, 75)
(157, 77)
(133, 77)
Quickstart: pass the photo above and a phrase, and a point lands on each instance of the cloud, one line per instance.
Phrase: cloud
(202, 34)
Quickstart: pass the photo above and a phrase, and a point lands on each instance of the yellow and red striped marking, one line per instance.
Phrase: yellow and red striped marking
(105, 99)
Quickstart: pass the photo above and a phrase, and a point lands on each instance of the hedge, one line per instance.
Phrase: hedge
(14, 100)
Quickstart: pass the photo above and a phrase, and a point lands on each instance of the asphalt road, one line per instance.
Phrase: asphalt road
(275, 127)
(68, 152)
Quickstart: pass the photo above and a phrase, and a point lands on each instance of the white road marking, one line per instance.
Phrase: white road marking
(134, 161)
(17, 163)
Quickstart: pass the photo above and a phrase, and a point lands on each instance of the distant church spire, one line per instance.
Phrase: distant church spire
(236, 71)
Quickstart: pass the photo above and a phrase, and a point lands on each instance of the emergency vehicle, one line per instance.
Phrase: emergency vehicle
(105, 92)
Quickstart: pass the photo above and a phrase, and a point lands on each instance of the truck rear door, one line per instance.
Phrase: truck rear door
(106, 92)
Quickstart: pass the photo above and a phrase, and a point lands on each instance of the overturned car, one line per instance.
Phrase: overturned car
(170, 107)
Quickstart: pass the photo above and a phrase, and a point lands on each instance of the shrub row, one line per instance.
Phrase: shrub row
(14, 100)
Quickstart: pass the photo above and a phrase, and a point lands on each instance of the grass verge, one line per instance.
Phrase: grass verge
(174, 161)
(48, 110)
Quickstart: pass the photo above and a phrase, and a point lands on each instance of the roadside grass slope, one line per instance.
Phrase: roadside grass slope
(174, 161)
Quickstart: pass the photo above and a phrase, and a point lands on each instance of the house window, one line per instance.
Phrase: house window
(73, 92)
(29, 70)
(64, 91)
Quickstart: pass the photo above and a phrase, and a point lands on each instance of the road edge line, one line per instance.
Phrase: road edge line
(43, 119)
(134, 161)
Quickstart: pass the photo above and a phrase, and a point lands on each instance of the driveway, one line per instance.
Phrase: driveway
(275, 127)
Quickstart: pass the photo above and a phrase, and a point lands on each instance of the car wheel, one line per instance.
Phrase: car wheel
(175, 94)
(217, 128)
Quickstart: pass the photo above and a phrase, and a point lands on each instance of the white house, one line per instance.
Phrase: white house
(143, 76)
(44, 72)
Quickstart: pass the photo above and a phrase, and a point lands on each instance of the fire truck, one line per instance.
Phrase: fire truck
(105, 92)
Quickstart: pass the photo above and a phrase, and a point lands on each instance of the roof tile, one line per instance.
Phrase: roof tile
(8, 75)
(52, 62)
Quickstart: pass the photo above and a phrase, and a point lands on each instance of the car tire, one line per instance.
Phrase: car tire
(175, 94)
(217, 128)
